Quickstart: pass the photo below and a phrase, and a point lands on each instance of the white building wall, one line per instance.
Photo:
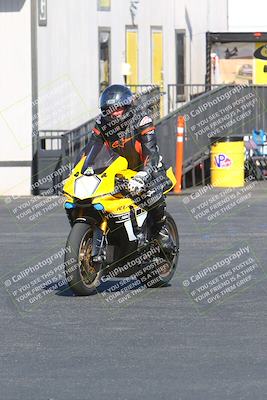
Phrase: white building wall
(67, 64)
(15, 97)
(68, 50)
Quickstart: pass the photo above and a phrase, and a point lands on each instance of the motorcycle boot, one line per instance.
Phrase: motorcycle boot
(159, 229)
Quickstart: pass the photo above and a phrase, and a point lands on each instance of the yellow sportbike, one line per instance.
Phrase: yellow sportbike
(110, 235)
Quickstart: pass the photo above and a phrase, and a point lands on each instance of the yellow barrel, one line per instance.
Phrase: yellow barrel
(227, 162)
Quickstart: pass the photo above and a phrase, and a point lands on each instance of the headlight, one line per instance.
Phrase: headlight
(85, 186)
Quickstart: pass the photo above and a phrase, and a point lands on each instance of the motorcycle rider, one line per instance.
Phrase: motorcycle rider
(129, 131)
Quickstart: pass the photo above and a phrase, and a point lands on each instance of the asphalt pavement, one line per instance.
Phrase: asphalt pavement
(168, 343)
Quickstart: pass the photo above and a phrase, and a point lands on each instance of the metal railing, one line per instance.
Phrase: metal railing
(46, 160)
(50, 139)
(180, 94)
(146, 88)
(75, 140)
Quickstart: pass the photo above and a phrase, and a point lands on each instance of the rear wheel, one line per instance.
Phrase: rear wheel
(82, 275)
(167, 264)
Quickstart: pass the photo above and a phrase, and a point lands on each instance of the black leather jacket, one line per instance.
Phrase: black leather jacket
(132, 137)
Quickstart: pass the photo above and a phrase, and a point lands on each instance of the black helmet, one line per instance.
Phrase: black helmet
(113, 98)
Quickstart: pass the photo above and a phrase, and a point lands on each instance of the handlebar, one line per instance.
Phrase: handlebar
(121, 184)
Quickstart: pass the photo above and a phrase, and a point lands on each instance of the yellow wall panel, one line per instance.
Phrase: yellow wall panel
(157, 58)
(132, 56)
(157, 62)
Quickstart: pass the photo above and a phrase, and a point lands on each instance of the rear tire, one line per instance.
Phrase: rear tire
(164, 276)
(83, 277)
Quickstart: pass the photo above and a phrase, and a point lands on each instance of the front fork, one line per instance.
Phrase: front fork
(99, 241)
(99, 234)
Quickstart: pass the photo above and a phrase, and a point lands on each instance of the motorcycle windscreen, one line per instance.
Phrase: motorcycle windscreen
(98, 163)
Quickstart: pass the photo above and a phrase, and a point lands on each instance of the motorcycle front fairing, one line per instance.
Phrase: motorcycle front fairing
(93, 178)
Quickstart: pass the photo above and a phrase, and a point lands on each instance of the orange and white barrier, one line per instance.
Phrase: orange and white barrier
(179, 153)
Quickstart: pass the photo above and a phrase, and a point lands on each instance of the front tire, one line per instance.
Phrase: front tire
(82, 275)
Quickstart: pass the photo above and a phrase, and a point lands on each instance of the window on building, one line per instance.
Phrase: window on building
(180, 61)
(104, 58)
(132, 56)
(103, 5)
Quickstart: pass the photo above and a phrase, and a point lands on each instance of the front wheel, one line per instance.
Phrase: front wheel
(82, 275)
